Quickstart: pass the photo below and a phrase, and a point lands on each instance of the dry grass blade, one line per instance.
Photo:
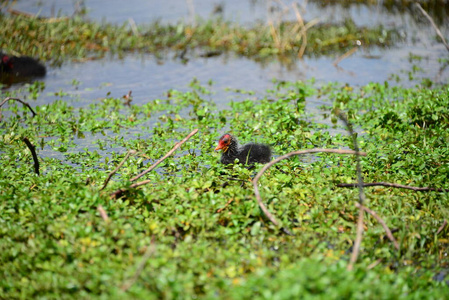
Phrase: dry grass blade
(303, 30)
(273, 162)
(442, 226)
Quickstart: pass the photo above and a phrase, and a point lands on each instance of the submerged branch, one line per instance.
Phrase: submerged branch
(33, 153)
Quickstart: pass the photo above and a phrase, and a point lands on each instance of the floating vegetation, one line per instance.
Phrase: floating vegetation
(59, 39)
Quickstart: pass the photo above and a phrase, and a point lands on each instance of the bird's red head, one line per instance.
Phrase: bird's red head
(224, 142)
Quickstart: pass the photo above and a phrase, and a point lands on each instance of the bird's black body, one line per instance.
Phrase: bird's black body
(248, 154)
(20, 66)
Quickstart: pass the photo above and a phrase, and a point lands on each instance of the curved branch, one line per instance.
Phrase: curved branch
(382, 222)
(18, 100)
(288, 155)
(33, 153)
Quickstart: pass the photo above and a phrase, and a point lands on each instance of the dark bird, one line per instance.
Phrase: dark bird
(23, 66)
(248, 154)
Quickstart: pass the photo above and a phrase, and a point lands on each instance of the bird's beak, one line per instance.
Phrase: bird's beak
(221, 145)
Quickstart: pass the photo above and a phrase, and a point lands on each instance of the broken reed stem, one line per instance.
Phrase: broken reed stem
(119, 192)
(117, 168)
(177, 145)
(273, 162)
(346, 55)
(393, 185)
(303, 30)
(18, 100)
(148, 252)
(382, 222)
(33, 154)
(433, 25)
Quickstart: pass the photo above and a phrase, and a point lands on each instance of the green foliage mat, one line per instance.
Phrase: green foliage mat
(211, 240)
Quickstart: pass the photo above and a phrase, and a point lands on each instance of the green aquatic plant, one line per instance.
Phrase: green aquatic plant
(196, 224)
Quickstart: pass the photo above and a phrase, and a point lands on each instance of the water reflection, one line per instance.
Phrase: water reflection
(149, 77)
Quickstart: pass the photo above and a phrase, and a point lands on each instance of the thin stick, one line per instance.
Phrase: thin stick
(33, 153)
(149, 251)
(382, 222)
(442, 227)
(394, 185)
(223, 208)
(103, 213)
(119, 192)
(116, 169)
(16, 99)
(273, 162)
(433, 24)
(359, 234)
(347, 54)
(177, 145)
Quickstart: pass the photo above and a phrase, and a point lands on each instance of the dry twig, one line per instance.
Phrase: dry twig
(433, 25)
(394, 185)
(149, 251)
(177, 145)
(33, 153)
(118, 167)
(273, 162)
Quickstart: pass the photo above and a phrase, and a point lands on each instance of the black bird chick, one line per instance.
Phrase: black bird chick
(23, 66)
(248, 154)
